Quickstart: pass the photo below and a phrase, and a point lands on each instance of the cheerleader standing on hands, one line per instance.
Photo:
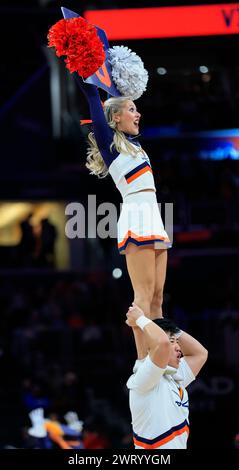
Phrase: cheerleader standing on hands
(115, 149)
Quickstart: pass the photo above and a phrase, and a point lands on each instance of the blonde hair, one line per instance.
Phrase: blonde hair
(95, 162)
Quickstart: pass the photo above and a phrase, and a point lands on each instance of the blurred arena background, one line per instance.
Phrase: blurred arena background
(63, 342)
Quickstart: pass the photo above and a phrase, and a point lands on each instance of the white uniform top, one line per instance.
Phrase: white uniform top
(159, 405)
(132, 173)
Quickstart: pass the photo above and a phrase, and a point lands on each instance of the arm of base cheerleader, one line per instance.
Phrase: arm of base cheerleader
(140, 343)
(193, 352)
(156, 340)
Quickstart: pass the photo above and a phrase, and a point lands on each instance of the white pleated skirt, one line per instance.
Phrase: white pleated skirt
(140, 222)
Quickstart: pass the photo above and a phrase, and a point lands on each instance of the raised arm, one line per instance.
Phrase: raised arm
(140, 342)
(102, 132)
(152, 339)
(194, 353)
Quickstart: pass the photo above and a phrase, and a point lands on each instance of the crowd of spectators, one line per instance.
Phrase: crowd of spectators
(65, 347)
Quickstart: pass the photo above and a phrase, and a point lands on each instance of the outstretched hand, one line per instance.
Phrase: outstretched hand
(133, 314)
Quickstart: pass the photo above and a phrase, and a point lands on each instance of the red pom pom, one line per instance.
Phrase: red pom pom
(78, 40)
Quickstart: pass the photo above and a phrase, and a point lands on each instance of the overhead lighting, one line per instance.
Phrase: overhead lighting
(161, 71)
(117, 273)
(203, 69)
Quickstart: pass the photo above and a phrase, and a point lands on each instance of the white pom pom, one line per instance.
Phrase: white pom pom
(128, 72)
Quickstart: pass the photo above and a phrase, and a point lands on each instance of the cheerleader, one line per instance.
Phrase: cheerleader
(114, 148)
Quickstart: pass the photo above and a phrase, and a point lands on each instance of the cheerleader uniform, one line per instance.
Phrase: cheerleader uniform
(140, 219)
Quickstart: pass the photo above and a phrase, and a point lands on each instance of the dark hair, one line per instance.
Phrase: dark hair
(167, 325)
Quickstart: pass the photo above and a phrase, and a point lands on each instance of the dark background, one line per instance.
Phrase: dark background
(63, 341)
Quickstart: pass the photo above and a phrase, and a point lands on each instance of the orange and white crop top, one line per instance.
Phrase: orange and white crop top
(132, 173)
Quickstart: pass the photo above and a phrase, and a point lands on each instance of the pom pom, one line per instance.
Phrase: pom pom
(79, 42)
(128, 72)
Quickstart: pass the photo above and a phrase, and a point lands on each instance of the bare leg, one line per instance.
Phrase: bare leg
(141, 268)
(160, 276)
